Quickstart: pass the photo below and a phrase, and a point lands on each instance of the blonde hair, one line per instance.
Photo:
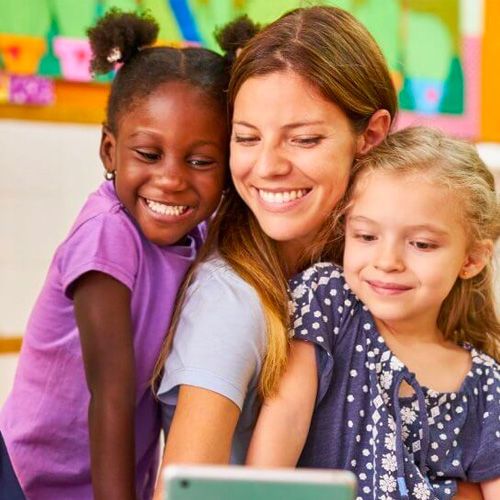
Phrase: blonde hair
(468, 313)
(335, 53)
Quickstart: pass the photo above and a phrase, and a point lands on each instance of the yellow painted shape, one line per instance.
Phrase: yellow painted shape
(74, 102)
(21, 53)
(4, 87)
(490, 73)
(10, 344)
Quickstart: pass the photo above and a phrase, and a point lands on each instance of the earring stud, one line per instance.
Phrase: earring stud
(109, 175)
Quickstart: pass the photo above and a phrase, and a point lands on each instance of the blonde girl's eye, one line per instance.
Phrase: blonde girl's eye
(365, 237)
(423, 245)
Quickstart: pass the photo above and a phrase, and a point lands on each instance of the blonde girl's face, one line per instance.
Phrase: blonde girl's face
(291, 154)
(406, 245)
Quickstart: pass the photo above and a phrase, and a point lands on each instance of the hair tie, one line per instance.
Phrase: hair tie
(114, 56)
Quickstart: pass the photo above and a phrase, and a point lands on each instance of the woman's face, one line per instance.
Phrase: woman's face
(291, 153)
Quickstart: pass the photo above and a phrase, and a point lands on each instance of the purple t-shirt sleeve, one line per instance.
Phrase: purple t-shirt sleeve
(319, 296)
(106, 243)
(486, 464)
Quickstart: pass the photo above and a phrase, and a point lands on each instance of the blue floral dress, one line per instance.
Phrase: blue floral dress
(399, 447)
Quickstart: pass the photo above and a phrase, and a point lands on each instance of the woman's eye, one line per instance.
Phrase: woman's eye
(245, 139)
(308, 140)
(148, 156)
(423, 245)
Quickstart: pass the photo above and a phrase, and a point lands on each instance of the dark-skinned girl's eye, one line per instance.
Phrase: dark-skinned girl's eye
(201, 163)
(148, 156)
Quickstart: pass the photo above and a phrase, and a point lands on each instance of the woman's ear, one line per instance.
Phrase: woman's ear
(375, 132)
(107, 149)
(477, 258)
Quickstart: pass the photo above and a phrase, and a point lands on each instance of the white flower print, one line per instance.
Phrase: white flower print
(390, 442)
(389, 462)
(408, 415)
(395, 364)
(386, 379)
(421, 491)
(308, 273)
(299, 291)
(387, 483)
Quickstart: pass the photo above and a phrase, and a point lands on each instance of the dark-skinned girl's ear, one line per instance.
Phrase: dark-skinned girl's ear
(107, 149)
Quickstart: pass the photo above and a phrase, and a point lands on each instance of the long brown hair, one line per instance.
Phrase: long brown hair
(468, 313)
(334, 52)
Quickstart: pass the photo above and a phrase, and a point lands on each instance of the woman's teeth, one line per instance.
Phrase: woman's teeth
(283, 196)
(162, 209)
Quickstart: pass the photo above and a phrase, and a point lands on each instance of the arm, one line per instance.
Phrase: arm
(201, 431)
(491, 489)
(468, 491)
(102, 309)
(284, 420)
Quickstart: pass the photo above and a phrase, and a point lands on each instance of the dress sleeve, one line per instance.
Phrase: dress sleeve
(486, 464)
(220, 340)
(321, 302)
(104, 243)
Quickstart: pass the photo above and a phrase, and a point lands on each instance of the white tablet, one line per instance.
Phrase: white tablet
(234, 482)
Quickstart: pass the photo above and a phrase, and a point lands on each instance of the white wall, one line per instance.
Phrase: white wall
(46, 172)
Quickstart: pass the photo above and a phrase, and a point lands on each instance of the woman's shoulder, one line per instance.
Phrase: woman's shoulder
(216, 271)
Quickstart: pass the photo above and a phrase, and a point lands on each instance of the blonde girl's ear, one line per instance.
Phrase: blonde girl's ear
(107, 149)
(375, 132)
(477, 259)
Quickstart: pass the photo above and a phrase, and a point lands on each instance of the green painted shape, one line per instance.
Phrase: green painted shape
(49, 64)
(25, 17)
(453, 97)
(406, 98)
(429, 47)
(342, 4)
(74, 17)
(125, 5)
(210, 15)
(383, 24)
(266, 11)
(448, 11)
(169, 30)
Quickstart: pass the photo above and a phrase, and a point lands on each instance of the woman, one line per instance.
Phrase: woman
(309, 93)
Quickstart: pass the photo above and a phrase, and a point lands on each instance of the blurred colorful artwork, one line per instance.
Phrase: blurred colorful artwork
(439, 52)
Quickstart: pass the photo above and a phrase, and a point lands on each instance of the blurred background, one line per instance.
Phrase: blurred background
(443, 55)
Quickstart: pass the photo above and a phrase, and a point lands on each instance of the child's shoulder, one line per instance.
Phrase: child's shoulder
(484, 366)
(322, 280)
(319, 274)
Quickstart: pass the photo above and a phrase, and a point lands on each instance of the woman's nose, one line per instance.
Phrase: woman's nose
(272, 162)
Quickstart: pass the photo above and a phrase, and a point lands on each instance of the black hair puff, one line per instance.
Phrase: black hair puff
(126, 31)
(235, 35)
